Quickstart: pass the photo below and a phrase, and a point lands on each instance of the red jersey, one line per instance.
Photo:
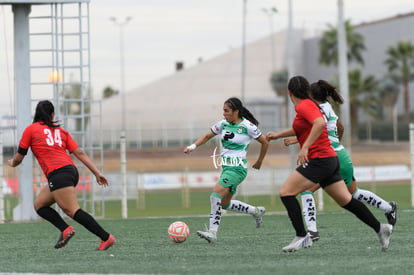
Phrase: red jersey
(306, 112)
(48, 145)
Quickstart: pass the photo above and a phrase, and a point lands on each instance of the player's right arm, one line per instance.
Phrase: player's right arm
(200, 141)
(24, 145)
(16, 160)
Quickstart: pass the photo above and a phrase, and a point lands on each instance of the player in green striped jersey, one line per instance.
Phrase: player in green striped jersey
(237, 130)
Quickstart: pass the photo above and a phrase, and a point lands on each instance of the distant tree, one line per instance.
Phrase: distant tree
(400, 61)
(363, 93)
(278, 82)
(389, 89)
(328, 45)
(108, 92)
(328, 55)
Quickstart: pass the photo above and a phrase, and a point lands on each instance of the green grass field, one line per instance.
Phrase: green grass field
(172, 203)
(347, 246)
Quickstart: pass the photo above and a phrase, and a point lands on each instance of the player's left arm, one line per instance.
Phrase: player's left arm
(84, 158)
(340, 129)
(263, 150)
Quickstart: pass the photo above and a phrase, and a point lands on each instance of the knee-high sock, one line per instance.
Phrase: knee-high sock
(241, 207)
(90, 223)
(372, 199)
(52, 216)
(309, 210)
(363, 213)
(215, 213)
(295, 215)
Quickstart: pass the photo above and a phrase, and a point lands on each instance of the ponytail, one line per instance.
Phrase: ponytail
(322, 90)
(43, 113)
(249, 116)
(236, 104)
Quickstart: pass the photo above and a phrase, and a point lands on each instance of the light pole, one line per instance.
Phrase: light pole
(124, 205)
(343, 77)
(291, 72)
(270, 12)
(243, 55)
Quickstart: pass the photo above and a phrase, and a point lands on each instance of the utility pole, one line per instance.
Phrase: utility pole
(124, 203)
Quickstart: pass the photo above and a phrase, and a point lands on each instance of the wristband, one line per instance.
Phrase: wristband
(192, 147)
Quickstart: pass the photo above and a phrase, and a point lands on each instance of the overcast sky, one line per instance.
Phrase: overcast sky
(162, 32)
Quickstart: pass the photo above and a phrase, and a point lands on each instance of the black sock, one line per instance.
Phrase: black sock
(363, 213)
(90, 223)
(53, 217)
(295, 214)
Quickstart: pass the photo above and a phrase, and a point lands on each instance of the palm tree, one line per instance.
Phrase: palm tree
(328, 45)
(363, 93)
(108, 91)
(400, 60)
(328, 55)
(389, 94)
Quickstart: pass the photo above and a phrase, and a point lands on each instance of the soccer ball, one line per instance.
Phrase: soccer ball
(178, 232)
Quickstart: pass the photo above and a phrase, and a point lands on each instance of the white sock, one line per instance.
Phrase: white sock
(215, 214)
(372, 199)
(241, 207)
(309, 211)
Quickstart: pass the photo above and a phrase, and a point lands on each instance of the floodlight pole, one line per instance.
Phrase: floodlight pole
(243, 50)
(2, 214)
(24, 210)
(124, 202)
(343, 77)
(270, 12)
(411, 135)
(291, 73)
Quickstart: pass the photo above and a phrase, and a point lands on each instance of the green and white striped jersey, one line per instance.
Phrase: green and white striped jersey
(235, 140)
(331, 118)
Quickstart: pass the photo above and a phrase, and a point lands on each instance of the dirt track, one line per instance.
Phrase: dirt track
(173, 159)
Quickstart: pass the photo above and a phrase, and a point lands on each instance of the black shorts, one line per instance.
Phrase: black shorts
(63, 177)
(324, 171)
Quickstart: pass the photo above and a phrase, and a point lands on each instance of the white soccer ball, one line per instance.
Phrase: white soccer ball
(178, 232)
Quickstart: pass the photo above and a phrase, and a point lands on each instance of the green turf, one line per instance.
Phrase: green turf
(172, 203)
(347, 246)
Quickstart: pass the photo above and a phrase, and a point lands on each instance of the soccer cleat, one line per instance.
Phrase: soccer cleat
(385, 235)
(392, 215)
(314, 235)
(207, 235)
(104, 245)
(258, 215)
(298, 243)
(65, 236)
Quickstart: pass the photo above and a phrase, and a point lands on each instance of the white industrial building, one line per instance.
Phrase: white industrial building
(183, 105)
(188, 102)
